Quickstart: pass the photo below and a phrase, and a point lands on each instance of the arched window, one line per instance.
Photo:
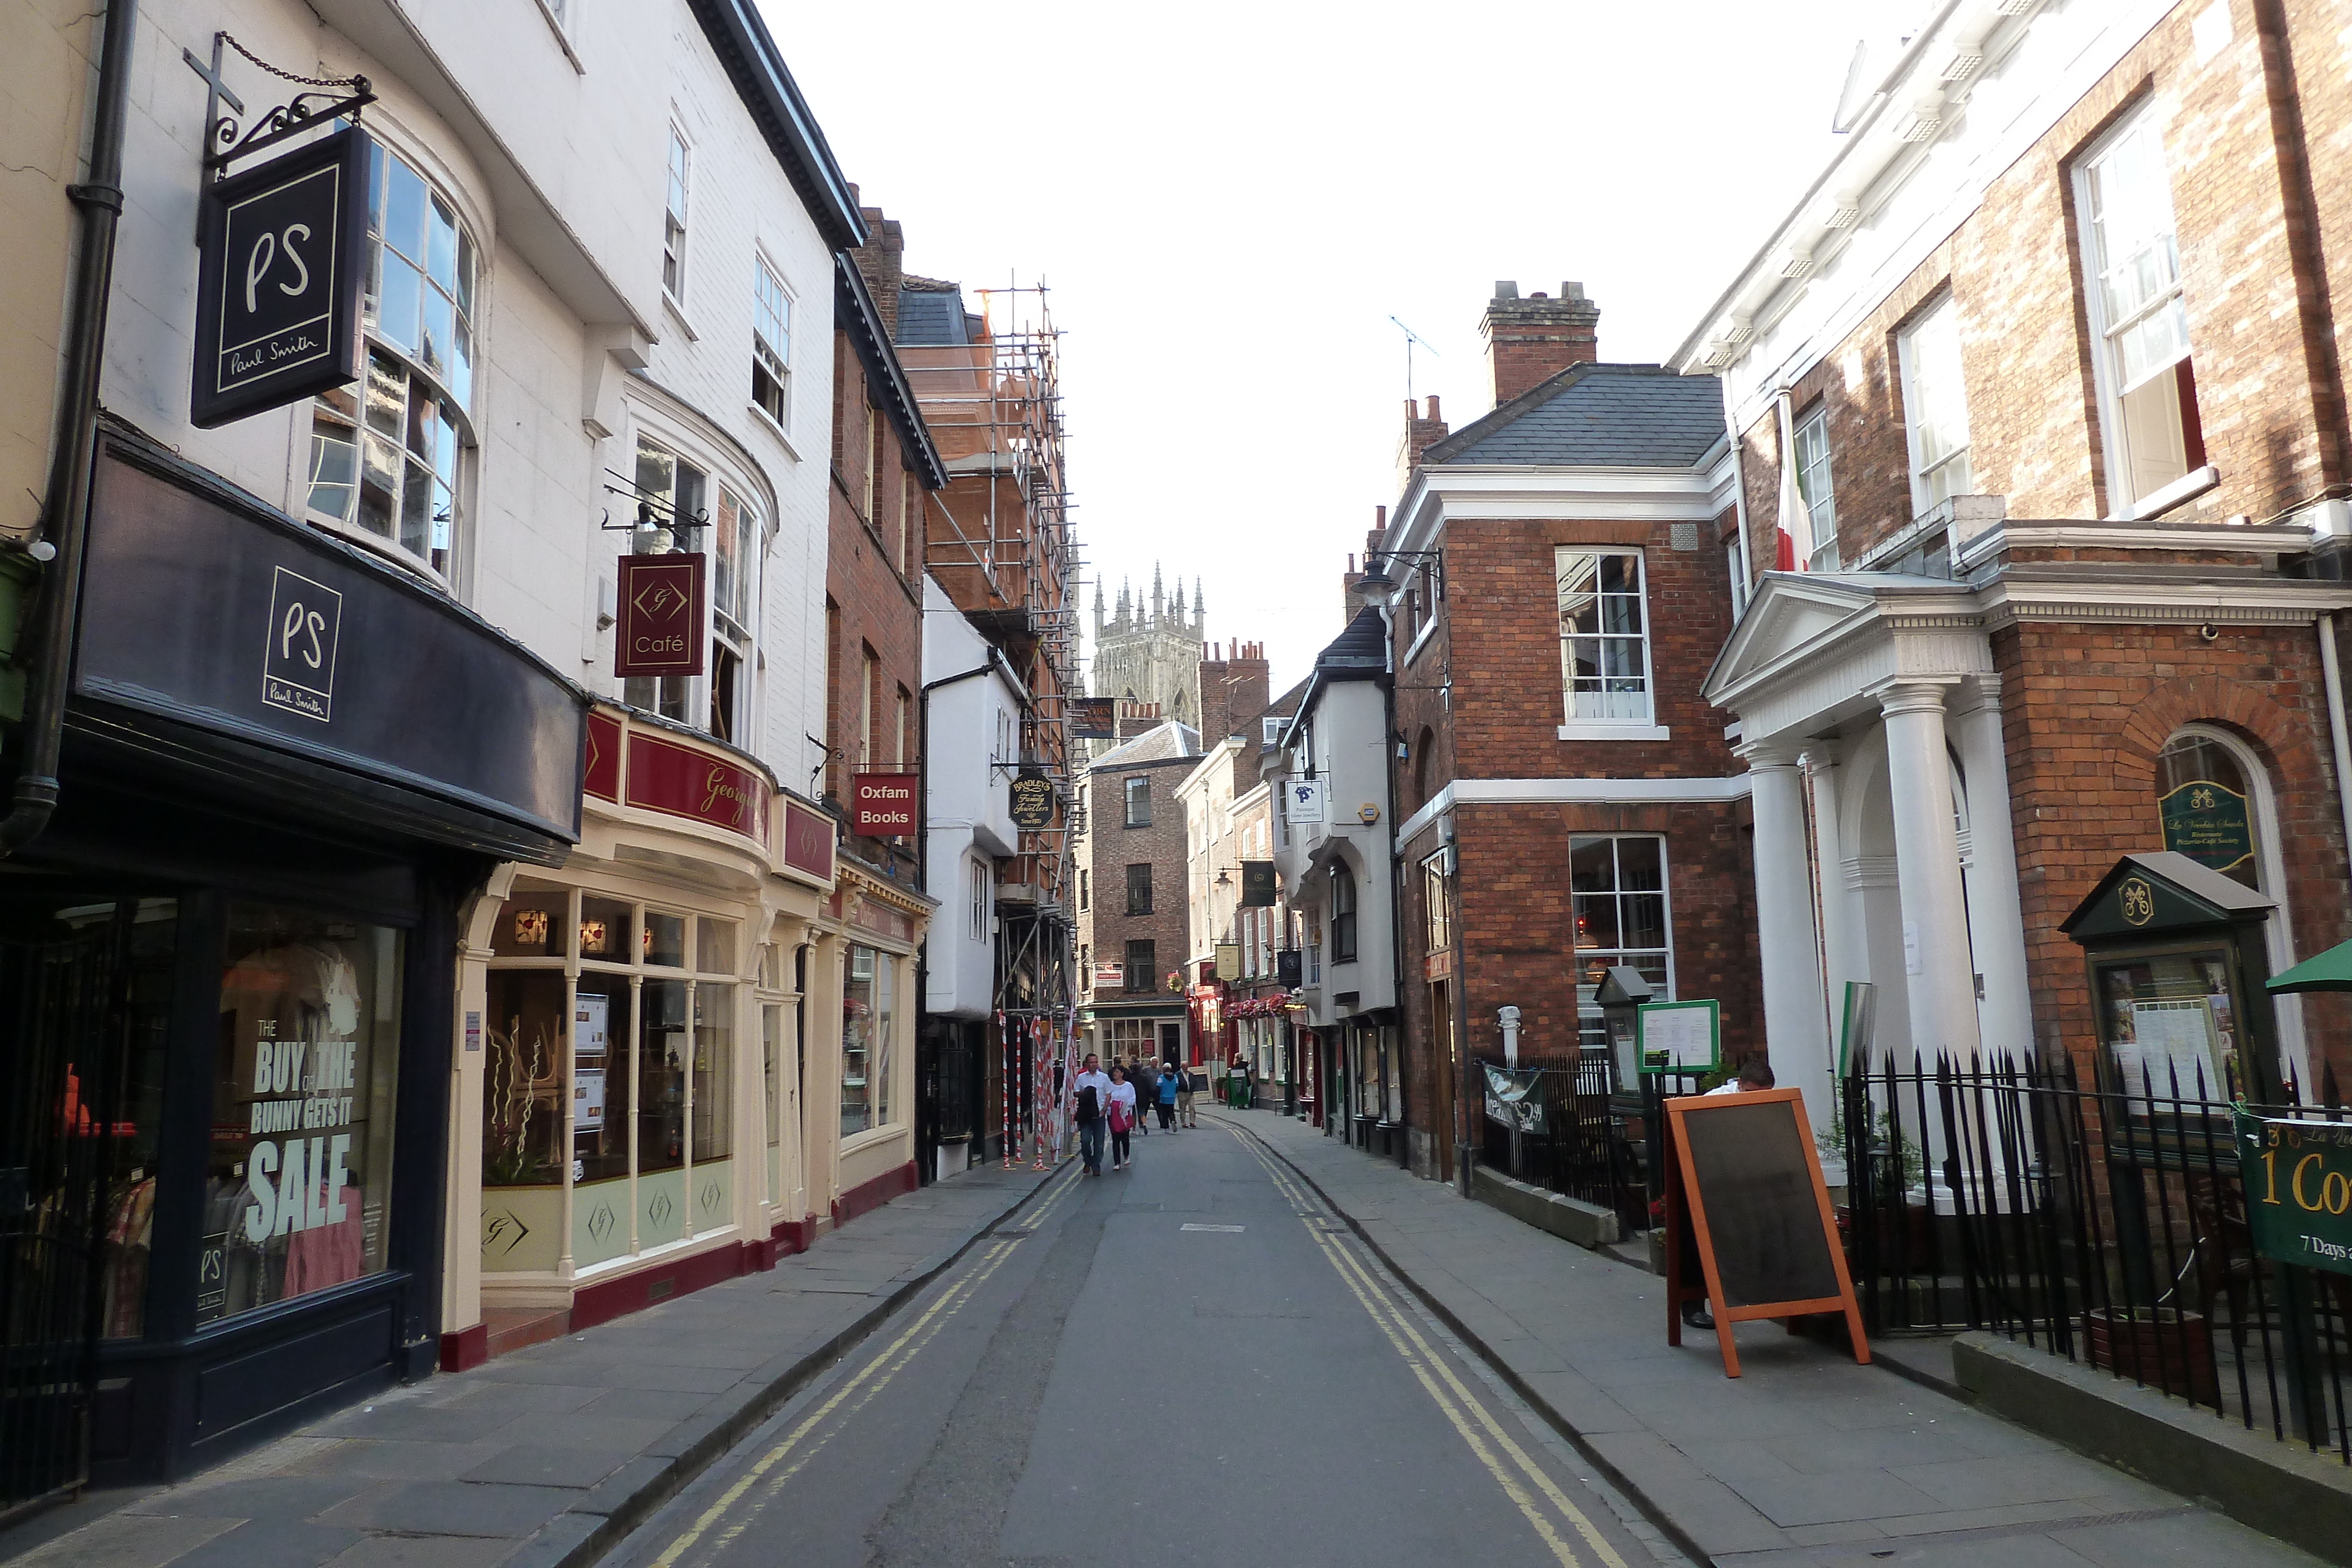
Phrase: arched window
(386, 454)
(1343, 915)
(2214, 805)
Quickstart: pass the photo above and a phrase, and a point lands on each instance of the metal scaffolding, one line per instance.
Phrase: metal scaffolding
(999, 539)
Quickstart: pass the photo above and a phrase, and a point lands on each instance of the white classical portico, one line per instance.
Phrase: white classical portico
(1870, 716)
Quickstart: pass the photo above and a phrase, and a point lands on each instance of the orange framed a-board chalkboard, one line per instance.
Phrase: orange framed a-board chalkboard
(1745, 1201)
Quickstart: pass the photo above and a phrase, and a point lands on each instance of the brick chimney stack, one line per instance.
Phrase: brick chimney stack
(882, 261)
(1374, 538)
(1530, 340)
(1236, 685)
(1420, 435)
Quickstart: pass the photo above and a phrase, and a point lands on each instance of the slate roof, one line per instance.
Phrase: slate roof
(1363, 646)
(932, 315)
(1596, 415)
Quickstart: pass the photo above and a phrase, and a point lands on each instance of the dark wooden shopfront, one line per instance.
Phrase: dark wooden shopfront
(227, 972)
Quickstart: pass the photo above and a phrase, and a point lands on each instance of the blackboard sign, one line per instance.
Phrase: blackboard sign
(277, 282)
(1744, 1185)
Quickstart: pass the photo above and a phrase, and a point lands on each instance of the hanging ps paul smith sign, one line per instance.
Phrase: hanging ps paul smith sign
(277, 288)
(2208, 822)
(1032, 802)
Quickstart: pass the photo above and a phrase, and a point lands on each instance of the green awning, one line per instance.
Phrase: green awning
(2330, 971)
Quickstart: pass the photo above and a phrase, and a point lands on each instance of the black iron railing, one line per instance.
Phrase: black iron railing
(1587, 1138)
(2099, 1219)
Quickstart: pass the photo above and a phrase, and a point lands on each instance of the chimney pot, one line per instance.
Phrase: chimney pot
(1538, 294)
(1379, 517)
(1571, 291)
(1433, 406)
(1507, 288)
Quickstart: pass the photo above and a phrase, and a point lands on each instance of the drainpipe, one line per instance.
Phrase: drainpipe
(2332, 682)
(65, 508)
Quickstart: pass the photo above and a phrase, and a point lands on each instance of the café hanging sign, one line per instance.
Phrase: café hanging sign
(284, 254)
(663, 597)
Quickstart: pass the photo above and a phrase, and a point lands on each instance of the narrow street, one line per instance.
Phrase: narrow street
(1188, 1361)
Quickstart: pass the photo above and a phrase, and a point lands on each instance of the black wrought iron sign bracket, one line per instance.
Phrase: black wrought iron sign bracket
(652, 511)
(227, 139)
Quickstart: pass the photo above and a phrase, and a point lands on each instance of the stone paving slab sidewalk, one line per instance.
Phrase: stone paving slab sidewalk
(1808, 1458)
(546, 1457)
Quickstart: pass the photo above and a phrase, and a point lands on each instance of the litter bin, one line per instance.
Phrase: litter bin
(1237, 1091)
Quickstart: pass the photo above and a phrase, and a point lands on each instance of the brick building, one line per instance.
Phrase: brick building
(2044, 387)
(1556, 594)
(1133, 931)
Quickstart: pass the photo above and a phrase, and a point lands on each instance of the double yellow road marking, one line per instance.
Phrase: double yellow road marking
(1469, 1414)
(853, 1395)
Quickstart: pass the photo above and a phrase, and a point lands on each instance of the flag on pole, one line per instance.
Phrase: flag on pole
(1793, 520)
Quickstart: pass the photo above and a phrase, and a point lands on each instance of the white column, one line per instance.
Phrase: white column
(1793, 1019)
(1996, 919)
(1940, 979)
(1841, 939)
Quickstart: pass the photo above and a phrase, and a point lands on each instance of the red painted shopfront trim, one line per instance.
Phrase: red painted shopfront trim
(609, 1298)
(462, 1350)
(868, 1196)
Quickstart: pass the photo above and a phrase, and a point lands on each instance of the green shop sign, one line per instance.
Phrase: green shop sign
(2298, 1178)
(2208, 822)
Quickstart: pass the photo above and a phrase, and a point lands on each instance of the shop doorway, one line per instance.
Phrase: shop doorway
(65, 1263)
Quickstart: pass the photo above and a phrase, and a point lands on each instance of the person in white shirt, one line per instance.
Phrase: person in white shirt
(1755, 1073)
(1090, 1096)
(1121, 1113)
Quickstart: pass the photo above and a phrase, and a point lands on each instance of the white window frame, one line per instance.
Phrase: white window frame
(2278, 932)
(340, 423)
(1735, 565)
(1816, 488)
(1666, 898)
(2124, 500)
(1918, 346)
(677, 210)
(722, 632)
(980, 895)
(1645, 727)
(770, 297)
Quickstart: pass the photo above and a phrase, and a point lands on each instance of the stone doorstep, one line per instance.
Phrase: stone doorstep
(2282, 1489)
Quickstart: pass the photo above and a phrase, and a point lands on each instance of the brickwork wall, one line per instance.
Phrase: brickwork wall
(1497, 638)
(2265, 345)
(1105, 926)
(874, 600)
(2086, 710)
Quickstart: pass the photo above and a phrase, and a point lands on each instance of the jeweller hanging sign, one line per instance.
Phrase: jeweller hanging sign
(285, 251)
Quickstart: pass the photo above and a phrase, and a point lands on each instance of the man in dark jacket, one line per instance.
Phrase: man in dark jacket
(1145, 1076)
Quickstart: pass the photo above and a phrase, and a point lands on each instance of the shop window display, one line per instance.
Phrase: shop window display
(869, 1018)
(300, 1169)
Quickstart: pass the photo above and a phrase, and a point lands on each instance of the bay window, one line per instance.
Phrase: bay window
(387, 455)
(676, 492)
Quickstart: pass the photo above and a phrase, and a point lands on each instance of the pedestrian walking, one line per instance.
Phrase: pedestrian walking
(1121, 1112)
(1163, 1096)
(1146, 1078)
(1184, 1096)
(1089, 1092)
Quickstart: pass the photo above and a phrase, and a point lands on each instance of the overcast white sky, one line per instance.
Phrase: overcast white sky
(1230, 199)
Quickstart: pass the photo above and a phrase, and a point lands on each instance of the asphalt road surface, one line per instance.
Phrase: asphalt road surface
(1186, 1361)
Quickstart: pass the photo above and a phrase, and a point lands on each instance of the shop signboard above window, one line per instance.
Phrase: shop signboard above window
(1094, 718)
(883, 803)
(664, 602)
(283, 256)
(1032, 802)
(222, 619)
